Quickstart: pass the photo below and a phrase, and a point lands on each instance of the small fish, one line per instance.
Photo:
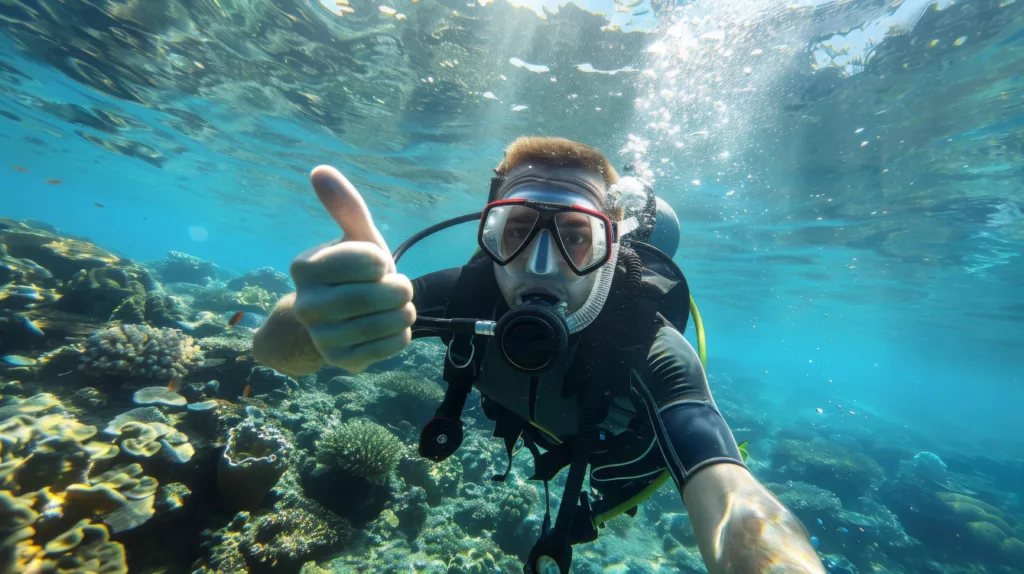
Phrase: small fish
(174, 385)
(852, 413)
(641, 13)
(820, 523)
(54, 181)
(236, 318)
(19, 168)
(99, 205)
(18, 360)
(815, 542)
(843, 530)
(29, 326)
(246, 391)
(820, 410)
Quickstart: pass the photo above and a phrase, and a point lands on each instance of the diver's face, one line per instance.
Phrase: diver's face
(542, 270)
(541, 267)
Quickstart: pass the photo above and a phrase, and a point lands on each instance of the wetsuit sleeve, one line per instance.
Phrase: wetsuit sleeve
(430, 295)
(690, 429)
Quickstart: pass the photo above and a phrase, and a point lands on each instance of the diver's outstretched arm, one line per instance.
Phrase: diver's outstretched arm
(742, 528)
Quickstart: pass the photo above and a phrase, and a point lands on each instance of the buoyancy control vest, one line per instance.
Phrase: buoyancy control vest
(576, 413)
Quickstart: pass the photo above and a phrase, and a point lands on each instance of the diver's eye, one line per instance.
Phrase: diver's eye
(518, 232)
(574, 239)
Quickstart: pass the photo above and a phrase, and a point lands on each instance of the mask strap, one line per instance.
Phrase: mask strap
(496, 182)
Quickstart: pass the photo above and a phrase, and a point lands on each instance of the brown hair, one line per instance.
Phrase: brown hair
(556, 152)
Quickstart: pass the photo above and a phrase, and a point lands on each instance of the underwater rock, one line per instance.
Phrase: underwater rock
(254, 459)
(223, 300)
(61, 256)
(354, 463)
(125, 294)
(808, 502)
(139, 351)
(876, 525)
(677, 526)
(178, 267)
(837, 564)
(266, 278)
(88, 398)
(410, 509)
(846, 472)
(439, 480)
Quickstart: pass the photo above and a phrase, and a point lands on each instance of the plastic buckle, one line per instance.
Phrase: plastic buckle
(472, 351)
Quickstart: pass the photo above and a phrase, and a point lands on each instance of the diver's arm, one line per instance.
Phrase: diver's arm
(283, 343)
(742, 528)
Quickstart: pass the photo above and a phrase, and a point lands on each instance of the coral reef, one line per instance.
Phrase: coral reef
(139, 351)
(178, 267)
(403, 396)
(808, 502)
(361, 448)
(84, 548)
(266, 278)
(279, 542)
(323, 468)
(254, 459)
(224, 300)
(354, 463)
(849, 473)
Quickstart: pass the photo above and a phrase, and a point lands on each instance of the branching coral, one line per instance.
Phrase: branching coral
(361, 448)
(139, 351)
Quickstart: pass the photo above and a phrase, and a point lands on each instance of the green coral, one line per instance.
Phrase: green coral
(361, 448)
(407, 385)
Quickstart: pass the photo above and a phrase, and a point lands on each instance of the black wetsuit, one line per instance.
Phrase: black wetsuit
(676, 425)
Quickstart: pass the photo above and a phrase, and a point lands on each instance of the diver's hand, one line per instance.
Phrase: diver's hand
(357, 309)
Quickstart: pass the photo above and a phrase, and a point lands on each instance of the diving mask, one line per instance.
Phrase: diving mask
(582, 234)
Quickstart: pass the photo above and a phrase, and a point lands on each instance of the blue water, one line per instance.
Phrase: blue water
(883, 276)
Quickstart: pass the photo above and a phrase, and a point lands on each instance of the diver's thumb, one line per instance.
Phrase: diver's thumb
(341, 199)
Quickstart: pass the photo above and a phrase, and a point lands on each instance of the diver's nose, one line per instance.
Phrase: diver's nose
(542, 255)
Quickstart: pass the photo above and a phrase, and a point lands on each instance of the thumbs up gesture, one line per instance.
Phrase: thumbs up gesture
(357, 309)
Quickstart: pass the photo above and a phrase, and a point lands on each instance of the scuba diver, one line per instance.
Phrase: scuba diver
(569, 322)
